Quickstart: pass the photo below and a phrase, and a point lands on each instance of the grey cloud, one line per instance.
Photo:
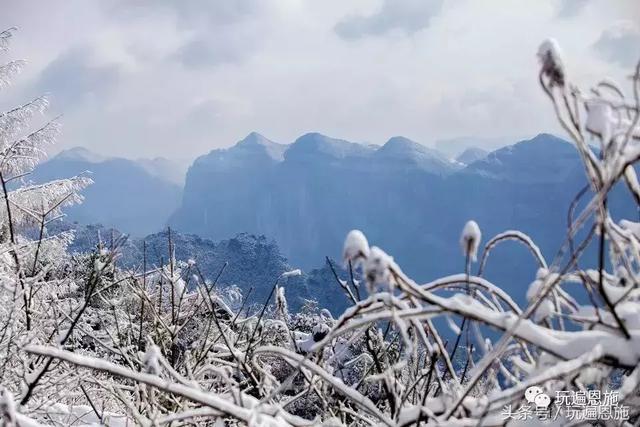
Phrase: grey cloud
(620, 44)
(188, 12)
(218, 31)
(571, 8)
(201, 121)
(408, 16)
(72, 79)
(216, 11)
(211, 50)
(154, 100)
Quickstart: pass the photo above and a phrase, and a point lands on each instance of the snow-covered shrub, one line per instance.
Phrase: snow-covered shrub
(35, 282)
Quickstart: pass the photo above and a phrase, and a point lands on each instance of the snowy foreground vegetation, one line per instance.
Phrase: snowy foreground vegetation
(85, 342)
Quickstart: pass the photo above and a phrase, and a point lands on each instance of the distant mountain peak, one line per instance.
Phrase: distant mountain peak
(316, 140)
(404, 150)
(314, 136)
(253, 148)
(401, 144)
(256, 140)
(543, 158)
(125, 194)
(453, 147)
(472, 154)
(80, 154)
(164, 168)
(400, 140)
(314, 143)
(545, 138)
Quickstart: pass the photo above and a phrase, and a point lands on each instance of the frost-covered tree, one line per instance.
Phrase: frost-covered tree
(32, 264)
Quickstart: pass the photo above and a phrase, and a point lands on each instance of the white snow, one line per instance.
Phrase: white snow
(151, 359)
(600, 119)
(292, 273)
(470, 240)
(352, 367)
(355, 247)
(376, 270)
(549, 55)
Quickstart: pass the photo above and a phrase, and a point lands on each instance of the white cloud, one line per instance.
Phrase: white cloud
(77, 79)
(571, 8)
(620, 44)
(147, 78)
(408, 16)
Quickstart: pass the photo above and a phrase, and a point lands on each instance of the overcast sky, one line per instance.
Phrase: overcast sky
(179, 78)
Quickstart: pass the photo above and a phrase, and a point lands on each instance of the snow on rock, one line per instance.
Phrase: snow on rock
(292, 273)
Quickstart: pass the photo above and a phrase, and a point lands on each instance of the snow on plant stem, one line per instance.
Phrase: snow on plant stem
(470, 240)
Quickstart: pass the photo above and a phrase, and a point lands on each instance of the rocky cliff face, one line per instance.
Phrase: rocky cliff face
(409, 199)
(252, 263)
(306, 195)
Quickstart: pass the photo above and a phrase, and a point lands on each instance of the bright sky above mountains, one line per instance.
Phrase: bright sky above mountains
(178, 78)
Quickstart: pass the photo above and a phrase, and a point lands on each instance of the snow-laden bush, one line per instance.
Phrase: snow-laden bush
(85, 342)
(34, 279)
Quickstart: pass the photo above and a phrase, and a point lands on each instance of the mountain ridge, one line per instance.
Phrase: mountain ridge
(309, 205)
(307, 201)
(251, 262)
(144, 205)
